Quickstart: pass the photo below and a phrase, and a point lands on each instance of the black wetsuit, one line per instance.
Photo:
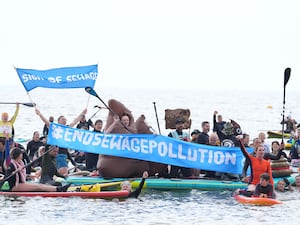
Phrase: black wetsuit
(136, 192)
(33, 147)
(91, 159)
(268, 190)
(12, 180)
(49, 170)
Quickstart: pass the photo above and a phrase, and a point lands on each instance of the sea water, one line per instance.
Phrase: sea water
(254, 111)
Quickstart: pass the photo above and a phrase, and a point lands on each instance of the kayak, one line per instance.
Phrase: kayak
(171, 184)
(101, 194)
(277, 134)
(256, 200)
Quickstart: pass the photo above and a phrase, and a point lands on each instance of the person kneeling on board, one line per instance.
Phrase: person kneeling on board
(127, 186)
(16, 176)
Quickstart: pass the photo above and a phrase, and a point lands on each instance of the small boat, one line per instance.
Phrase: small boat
(277, 134)
(101, 194)
(256, 200)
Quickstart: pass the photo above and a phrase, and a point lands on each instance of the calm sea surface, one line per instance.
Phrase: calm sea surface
(254, 111)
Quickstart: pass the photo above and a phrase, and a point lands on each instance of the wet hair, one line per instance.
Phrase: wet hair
(265, 176)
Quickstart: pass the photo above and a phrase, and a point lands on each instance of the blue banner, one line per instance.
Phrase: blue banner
(66, 77)
(155, 148)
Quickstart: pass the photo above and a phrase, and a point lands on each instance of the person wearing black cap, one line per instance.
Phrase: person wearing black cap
(16, 176)
(176, 171)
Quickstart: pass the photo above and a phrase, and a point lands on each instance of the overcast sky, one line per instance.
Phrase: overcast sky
(159, 43)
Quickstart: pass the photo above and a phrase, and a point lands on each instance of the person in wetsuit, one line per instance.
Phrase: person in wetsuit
(49, 168)
(16, 176)
(127, 186)
(266, 156)
(264, 189)
(258, 166)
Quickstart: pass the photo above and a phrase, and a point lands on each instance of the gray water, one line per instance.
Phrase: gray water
(153, 207)
(250, 109)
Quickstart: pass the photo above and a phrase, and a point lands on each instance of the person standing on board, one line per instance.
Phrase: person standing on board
(7, 126)
(176, 171)
(64, 154)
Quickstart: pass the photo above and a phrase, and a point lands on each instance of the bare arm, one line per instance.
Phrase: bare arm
(77, 119)
(112, 126)
(13, 119)
(44, 119)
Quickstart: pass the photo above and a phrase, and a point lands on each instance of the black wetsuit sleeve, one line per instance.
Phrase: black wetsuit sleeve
(271, 156)
(215, 123)
(136, 192)
(244, 151)
(245, 168)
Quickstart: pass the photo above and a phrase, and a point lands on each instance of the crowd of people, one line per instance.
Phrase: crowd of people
(53, 161)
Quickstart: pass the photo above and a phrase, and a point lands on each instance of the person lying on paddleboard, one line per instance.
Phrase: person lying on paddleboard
(16, 174)
(264, 189)
(126, 185)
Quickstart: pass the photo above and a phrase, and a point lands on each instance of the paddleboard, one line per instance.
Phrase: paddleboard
(171, 184)
(277, 134)
(101, 194)
(256, 200)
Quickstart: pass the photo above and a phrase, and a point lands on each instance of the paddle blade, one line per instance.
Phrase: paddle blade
(91, 91)
(287, 74)
(29, 104)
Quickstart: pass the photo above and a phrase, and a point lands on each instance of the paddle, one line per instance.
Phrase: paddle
(29, 164)
(156, 117)
(91, 91)
(287, 74)
(29, 104)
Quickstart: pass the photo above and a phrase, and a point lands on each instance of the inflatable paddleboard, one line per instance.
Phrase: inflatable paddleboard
(101, 194)
(256, 200)
(277, 134)
(171, 184)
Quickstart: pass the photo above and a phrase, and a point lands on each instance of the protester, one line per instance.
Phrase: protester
(6, 125)
(127, 186)
(264, 189)
(16, 176)
(178, 133)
